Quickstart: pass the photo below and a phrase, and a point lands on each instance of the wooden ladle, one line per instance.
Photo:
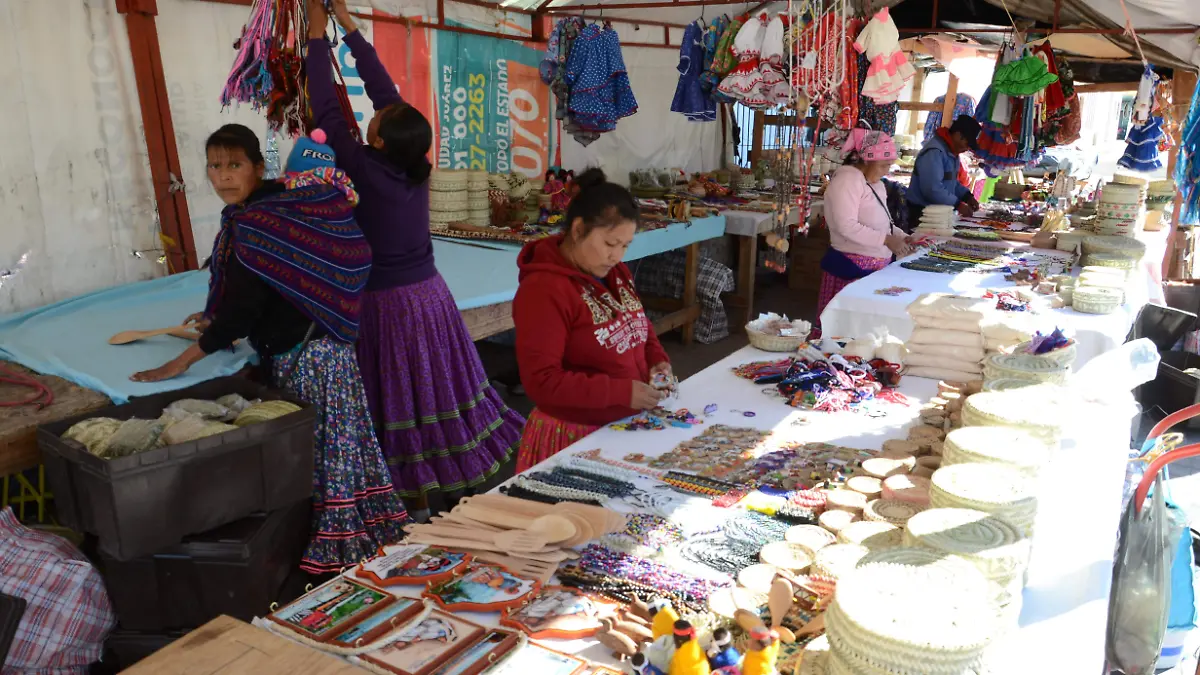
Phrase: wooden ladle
(126, 337)
(780, 602)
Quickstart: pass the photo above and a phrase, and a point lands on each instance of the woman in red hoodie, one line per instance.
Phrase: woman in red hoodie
(585, 348)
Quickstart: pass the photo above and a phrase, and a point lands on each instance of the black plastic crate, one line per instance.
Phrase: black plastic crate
(141, 504)
(238, 569)
(124, 648)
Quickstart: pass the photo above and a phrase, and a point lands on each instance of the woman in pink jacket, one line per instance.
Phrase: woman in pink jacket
(862, 236)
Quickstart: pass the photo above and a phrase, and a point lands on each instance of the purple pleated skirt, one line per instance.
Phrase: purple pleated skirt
(443, 428)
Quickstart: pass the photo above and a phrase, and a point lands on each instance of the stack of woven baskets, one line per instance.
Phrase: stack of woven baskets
(910, 610)
(1160, 194)
(1121, 207)
(1108, 263)
(478, 211)
(448, 198)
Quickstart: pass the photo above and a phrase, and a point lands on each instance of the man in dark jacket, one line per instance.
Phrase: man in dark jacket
(935, 178)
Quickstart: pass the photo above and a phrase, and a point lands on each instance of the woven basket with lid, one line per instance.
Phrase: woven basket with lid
(872, 534)
(1023, 366)
(992, 544)
(1010, 446)
(891, 616)
(999, 490)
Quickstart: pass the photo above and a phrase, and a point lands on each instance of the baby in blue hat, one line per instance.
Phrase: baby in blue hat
(311, 162)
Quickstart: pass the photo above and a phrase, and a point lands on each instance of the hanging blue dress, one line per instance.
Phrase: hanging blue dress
(690, 99)
(599, 84)
(1141, 146)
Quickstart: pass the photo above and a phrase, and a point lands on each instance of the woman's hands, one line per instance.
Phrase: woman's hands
(170, 369)
(197, 322)
(898, 243)
(663, 368)
(173, 368)
(318, 18)
(645, 397)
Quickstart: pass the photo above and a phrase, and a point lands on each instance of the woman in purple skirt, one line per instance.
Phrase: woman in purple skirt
(443, 428)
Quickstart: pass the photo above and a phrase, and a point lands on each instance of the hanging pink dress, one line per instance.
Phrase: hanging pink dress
(889, 70)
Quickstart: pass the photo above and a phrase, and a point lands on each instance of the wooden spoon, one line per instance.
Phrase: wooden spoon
(553, 529)
(126, 337)
(520, 540)
(493, 516)
(780, 602)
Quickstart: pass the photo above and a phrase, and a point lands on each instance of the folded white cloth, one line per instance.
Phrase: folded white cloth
(938, 336)
(973, 354)
(942, 361)
(939, 374)
(947, 306)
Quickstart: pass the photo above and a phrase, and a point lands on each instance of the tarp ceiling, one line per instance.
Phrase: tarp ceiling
(1167, 50)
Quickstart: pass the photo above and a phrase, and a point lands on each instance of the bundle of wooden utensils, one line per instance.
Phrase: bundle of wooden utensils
(529, 538)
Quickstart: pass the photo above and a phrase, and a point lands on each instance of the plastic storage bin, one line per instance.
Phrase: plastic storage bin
(238, 569)
(141, 504)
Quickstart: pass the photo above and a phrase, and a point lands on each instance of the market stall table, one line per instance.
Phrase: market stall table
(482, 275)
(858, 310)
(226, 646)
(1069, 573)
(747, 226)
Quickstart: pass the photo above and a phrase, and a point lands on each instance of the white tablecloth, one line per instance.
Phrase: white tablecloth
(857, 310)
(751, 223)
(1062, 625)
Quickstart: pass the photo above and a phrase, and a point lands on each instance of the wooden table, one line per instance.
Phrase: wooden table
(747, 227)
(18, 425)
(226, 646)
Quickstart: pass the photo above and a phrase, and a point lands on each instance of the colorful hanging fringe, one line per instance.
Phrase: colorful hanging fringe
(268, 71)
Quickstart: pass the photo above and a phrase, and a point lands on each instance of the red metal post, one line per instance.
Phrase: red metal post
(1057, 9)
(166, 172)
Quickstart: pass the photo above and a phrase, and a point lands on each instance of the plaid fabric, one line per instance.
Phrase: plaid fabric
(662, 275)
(69, 615)
(831, 285)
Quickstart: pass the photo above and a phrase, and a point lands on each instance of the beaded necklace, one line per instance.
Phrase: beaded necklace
(623, 590)
(602, 559)
(594, 456)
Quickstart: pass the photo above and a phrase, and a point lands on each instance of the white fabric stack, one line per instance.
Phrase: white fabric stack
(952, 335)
(911, 610)
(937, 221)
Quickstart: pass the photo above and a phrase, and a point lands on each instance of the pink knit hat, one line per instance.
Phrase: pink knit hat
(872, 146)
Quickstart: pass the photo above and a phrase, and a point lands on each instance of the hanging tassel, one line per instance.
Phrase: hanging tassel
(250, 79)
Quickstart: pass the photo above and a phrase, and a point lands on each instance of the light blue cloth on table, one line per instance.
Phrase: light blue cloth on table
(482, 273)
(70, 338)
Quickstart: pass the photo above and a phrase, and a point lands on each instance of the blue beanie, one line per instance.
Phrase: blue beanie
(310, 152)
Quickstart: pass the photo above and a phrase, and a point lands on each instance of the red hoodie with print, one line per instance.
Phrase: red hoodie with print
(581, 341)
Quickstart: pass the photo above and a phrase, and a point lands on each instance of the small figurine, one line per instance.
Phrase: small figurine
(689, 658)
(642, 666)
(662, 618)
(621, 644)
(722, 653)
(557, 192)
(764, 650)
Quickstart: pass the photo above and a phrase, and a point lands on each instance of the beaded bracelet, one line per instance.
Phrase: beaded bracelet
(557, 490)
(562, 478)
(525, 493)
(601, 469)
(707, 487)
(594, 455)
(601, 559)
(623, 590)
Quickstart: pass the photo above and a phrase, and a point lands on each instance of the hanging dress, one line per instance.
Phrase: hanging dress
(1141, 146)
(690, 98)
(773, 90)
(709, 78)
(746, 77)
(889, 70)
(600, 93)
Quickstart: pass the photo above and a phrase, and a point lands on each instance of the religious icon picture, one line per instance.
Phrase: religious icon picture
(414, 564)
(424, 645)
(484, 588)
(559, 612)
(493, 646)
(534, 658)
(331, 608)
(378, 625)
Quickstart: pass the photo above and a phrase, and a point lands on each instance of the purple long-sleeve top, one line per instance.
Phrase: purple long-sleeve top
(393, 212)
